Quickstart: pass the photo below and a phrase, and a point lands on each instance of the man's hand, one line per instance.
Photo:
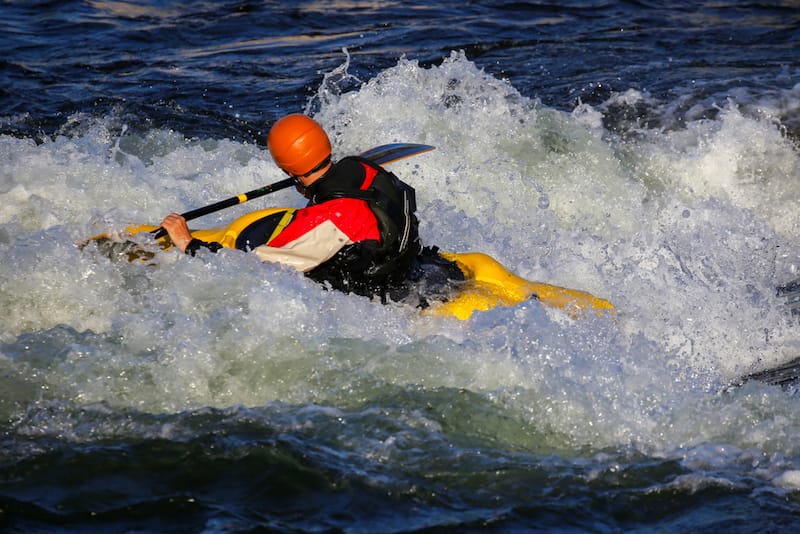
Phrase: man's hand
(178, 231)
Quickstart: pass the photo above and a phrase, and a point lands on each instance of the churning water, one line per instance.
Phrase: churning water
(645, 153)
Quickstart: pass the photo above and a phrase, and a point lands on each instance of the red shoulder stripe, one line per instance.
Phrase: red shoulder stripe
(352, 216)
(371, 173)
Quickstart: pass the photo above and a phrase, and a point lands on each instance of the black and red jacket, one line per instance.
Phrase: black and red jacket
(358, 233)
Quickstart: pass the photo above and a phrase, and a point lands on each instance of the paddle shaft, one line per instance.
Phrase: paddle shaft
(239, 199)
(233, 201)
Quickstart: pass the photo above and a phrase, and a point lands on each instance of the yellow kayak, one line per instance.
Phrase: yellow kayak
(488, 283)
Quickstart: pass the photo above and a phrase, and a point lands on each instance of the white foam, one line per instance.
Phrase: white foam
(789, 480)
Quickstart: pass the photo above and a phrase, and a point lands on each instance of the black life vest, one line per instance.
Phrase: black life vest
(369, 267)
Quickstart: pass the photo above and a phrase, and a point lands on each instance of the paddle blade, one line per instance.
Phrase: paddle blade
(791, 292)
(396, 151)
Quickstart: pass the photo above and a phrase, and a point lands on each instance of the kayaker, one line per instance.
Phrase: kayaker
(358, 233)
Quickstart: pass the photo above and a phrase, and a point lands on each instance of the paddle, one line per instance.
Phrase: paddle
(381, 155)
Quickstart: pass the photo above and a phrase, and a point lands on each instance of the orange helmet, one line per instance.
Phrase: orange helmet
(299, 145)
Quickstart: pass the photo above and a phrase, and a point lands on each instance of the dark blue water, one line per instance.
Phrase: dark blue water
(646, 151)
(229, 68)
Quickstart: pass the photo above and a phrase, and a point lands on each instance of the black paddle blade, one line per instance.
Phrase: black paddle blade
(787, 376)
(387, 153)
(791, 292)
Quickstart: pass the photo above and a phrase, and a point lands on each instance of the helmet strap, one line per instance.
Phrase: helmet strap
(312, 171)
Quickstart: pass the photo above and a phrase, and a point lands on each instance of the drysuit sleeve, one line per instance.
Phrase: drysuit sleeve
(196, 244)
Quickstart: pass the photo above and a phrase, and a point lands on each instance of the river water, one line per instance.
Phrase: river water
(646, 152)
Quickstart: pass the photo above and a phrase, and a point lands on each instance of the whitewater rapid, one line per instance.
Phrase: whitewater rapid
(686, 228)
